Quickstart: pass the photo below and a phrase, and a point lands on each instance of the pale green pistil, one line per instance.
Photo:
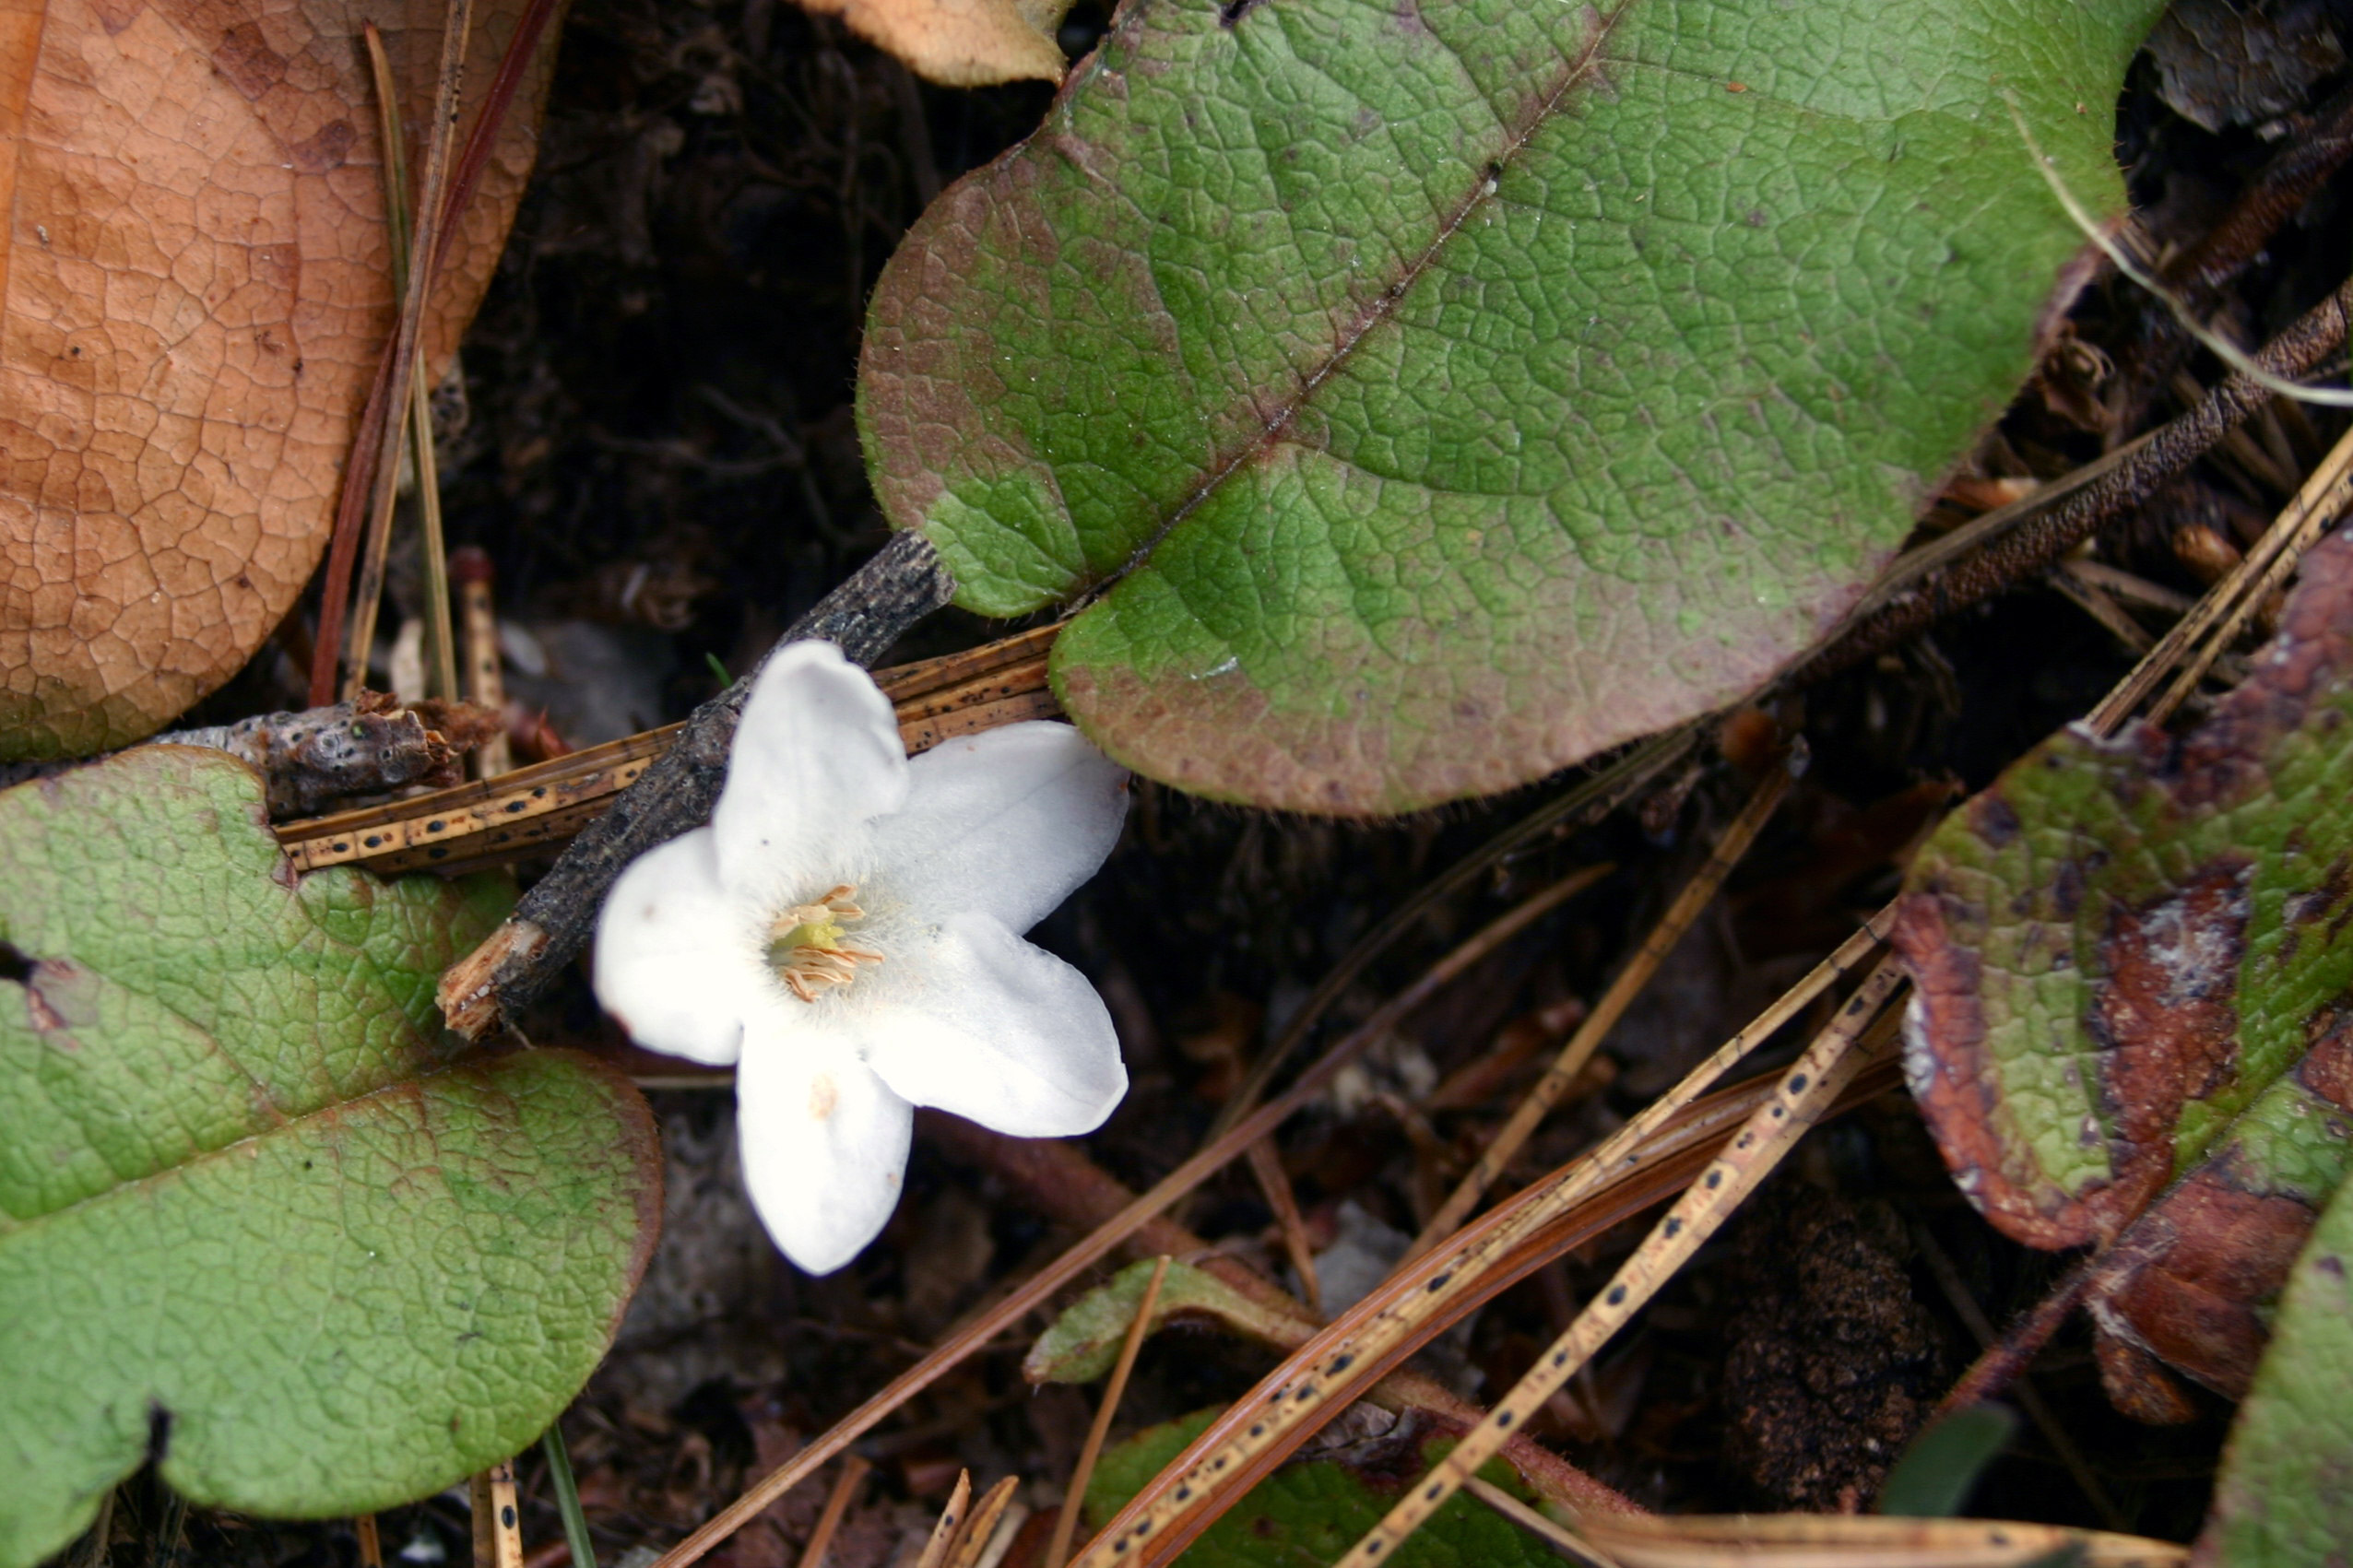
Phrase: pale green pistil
(805, 945)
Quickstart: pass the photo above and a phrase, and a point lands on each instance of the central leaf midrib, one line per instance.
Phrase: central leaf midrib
(1383, 306)
(289, 1125)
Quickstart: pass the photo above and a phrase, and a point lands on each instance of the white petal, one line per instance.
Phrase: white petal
(679, 962)
(1008, 822)
(985, 1026)
(824, 1144)
(817, 755)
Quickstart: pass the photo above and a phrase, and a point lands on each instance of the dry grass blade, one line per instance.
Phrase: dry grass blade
(352, 508)
(2316, 507)
(485, 681)
(482, 823)
(2230, 602)
(1041, 1288)
(1806, 1092)
(408, 371)
(1266, 1164)
(972, 1548)
(1609, 787)
(368, 598)
(498, 1532)
(952, 1518)
(363, 1530)
(1697, 894)
(1815, 1540)
(1074, 1498)
(837, 1507)
(2094, 602)
(1647, 1160)
(1553, 1535)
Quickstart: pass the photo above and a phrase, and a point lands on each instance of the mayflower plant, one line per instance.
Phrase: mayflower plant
(847, 934)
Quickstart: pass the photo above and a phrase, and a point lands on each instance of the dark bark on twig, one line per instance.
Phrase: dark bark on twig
(2037, 543)
(902, 583)
(323, 757)
(2315, 148)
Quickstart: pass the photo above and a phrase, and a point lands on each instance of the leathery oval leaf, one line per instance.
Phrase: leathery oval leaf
(2285, 1496)
(2130, 1026)
(1425, 394)
(254, 1218)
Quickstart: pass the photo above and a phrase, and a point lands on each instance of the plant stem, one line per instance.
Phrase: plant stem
(575, 1520)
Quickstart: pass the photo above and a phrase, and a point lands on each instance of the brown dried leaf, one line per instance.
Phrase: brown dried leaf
(194, 290)
(2132, 1023)
(960, 43)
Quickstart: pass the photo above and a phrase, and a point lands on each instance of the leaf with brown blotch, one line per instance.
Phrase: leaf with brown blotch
(1410, 399)
(194, 290)
(960, 43)
(2132, 1023)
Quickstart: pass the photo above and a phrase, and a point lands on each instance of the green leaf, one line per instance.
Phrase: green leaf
(1312, 1511)
(1938, 1469)
(1424, 394)
(251, 1211)
(1081, 1343)
(2133, 961)
(2285, 1496)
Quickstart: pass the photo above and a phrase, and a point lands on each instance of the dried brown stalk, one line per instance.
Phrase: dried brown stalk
(2037, 542)
(320, 756)
(498, 1532)
(1266, 1164)
(952, 1518)
(1803, 1094)
(1057, 1550)
(1041, 1287)
(407, 366)
(485, 683)
(837, 1507)
(1697, 894)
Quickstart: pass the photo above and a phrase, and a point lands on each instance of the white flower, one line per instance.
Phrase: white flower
(847, 933)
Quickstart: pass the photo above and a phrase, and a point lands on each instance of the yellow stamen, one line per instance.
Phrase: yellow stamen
(805, 944)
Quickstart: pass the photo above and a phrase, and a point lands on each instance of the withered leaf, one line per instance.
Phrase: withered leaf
(960, 43)
(2132, 1023)
(194, 293)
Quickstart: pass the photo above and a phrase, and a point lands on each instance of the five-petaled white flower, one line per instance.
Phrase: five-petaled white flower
(847, 933)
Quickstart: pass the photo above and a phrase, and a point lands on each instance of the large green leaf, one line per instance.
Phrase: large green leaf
(2132, 962)
(2284, 1497)
(1428, 393)
(1312, 1511)
(251, 1215)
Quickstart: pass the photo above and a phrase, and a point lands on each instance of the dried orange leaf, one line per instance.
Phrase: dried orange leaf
(960, 43)
(195, 289)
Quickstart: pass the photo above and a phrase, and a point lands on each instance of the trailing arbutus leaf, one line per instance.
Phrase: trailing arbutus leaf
(1418, 398)
(260, 1222)
(2133, 1021)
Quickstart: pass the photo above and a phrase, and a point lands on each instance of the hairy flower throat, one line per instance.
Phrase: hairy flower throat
(805, 944)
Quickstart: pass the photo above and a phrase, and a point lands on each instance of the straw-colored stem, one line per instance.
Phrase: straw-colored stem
(1695, 896)
(837, 1507)
(1067, 1523)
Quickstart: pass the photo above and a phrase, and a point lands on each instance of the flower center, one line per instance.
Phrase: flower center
(805, 944)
